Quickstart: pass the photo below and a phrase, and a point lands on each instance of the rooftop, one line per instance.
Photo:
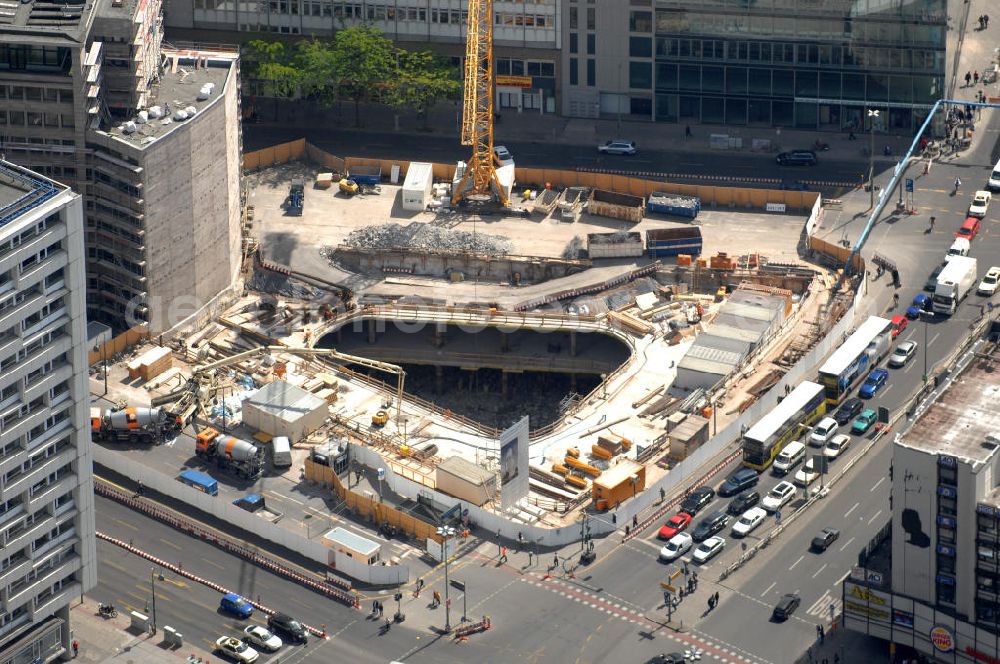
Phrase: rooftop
(284, 400)
(362, 545)
(964, 419)
(22, 190)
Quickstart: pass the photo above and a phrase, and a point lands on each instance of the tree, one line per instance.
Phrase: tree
(363, 63)
(319, 71)
(272, 64)
(423, 79)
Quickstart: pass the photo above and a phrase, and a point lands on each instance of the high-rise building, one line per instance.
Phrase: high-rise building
(786, 63)
(47, 539)
(934, 583)
(89, 96)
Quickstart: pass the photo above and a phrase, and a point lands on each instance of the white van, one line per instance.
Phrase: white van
(960, 247)
(823, 431)
(788, 458)
(993, 184)
(281, 451)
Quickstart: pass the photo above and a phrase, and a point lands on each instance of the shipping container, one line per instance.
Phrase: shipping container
(665, 203)
(662, 242)
(614, 245)
(616, 206)
(201, 481)
(417, 186)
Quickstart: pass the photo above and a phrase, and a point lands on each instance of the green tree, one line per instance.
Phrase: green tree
(422, 80)
(272, 64)
(316, 60)
(363, 62)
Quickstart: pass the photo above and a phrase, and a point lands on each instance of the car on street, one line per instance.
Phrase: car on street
(797, 158)
(864, 422)
(902, 354)
(921, 302)
(808, 473)
(750, 519)
(710, 525)
(235, 605)
(668, 658)
(618, 146)
(740, 481)
(980, 204)
(290, 629)
(836, 446)
(678, 545)
(232, 648)
(823, 431)
(785, 607)
(848, 410)
(743, 502)
(674, 525)
(876, 381)
(825, 538)
(931, 282)
(259, 637)
(898, 324)
(503, 155)
(697, 499)
(988, 286)
(708, 549)
(776, 498)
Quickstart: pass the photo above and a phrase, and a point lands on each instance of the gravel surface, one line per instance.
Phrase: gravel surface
(424, 236)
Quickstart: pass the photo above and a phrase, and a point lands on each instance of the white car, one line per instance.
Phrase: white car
(980, 203)
(808, 473)
(678, 545)
(708, 549)
(752, 518)
(233, 648)
(823, 431)
(776, 498)
(902, 354)
(260, 637)
(503, 155)
(836, 446)
(988, 286)
(618, 146)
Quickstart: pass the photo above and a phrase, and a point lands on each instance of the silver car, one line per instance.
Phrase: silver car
(618, 146)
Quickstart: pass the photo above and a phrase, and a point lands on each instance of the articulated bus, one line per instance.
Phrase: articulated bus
(850, 363)
(765, 440)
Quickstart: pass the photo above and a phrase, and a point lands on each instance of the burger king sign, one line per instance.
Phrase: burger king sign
(942, 639)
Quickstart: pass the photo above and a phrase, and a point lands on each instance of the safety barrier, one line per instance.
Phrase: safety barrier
(481, 626)
(224, 542)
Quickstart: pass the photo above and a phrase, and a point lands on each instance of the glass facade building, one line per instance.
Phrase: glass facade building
(809, 64)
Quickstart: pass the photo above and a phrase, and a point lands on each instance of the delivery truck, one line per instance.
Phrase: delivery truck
(955, 281)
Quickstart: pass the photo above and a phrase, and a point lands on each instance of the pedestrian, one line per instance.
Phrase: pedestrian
(975, 77)
(981, 24)
(986, 20)
(76, 647)
(555, 560)
(687, 131)
(822, 634)
(503, 555)
(716, 599)
(968, 78)
(420, 584)
(958, 183)
(818, 628)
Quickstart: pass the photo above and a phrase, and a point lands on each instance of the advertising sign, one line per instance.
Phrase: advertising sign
(942, 639)
(514, 463)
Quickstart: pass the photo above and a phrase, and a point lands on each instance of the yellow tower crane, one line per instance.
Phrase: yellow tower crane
(479, 183)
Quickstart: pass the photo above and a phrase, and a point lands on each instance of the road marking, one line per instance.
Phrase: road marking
(846, 544)
(853, 507)
(650, 543)
(882, 479)
(212, 563)
(796, 562)
(933, 339)
(769, 588)
(169, 543)
(874, 516)
(282, 496)
(127, 525)
(820, 570)
(886, 390)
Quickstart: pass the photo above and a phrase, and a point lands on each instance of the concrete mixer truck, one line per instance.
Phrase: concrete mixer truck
(231, 454)
(128, 425)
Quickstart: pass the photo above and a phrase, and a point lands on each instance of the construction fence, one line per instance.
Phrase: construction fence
(119, 344)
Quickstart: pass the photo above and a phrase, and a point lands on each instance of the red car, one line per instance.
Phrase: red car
(674, 525)
(897, 325)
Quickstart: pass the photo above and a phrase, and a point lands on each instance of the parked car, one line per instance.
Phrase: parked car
(710, 525)
(750, 519)
(836, 446)
(674, 525)
(235, 605)
(697, 499)
(234, 649)
(980, 204)
(777, 497)
(741, 480)
(826, 537)
(287, 627)
(823, 431)
(864, 422)
(743, 502)
(260, 637)
(797, 158)
(678, 545)
(876, 381)
(708, 549)
(848, 410)
(618, 146)
(808, 473)
(503, 155)
(988, 286)
(785, 607)
(931, 282)
(902, 354)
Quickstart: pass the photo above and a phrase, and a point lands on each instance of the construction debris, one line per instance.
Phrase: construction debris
(266, 281)
(424, 236)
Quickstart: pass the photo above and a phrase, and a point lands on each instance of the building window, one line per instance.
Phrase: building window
(574, 18)
(640, 21)
(574, 42)
(945, 589)
(591, 72)
(574, 74)
(640, 47)
(948, 476)
(591, 44)
(640, 75)
(591, 18)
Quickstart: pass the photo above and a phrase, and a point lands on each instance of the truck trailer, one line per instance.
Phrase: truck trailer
(955, 281)
(129, 425)
(230, 453)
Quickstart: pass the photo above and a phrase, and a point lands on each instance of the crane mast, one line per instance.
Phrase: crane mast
(479, 183)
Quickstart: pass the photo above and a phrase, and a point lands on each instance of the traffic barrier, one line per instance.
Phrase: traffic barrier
(480, 626)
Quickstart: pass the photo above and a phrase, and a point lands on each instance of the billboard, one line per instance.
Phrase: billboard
(514, 463)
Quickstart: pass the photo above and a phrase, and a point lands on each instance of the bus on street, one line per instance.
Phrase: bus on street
(850, 363)
(765, 440)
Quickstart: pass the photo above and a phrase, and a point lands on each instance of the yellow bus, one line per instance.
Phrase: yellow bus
(765, 440)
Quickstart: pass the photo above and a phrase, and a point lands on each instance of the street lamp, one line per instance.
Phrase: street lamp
(153, 578)
(872, 117)
(446, 533)
(925, 316)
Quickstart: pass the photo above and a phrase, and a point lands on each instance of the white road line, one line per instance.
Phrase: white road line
(881, 479)
(820, 570)
(650, 543)
(768, 589)
(933, 339)
(886, 390)
(841, 579)
(909, 365)
(796, 562)
(846, 544)
(848, 512)
(874, 516)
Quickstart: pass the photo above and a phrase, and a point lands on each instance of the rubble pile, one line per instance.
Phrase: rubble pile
(266, 281)
(384, 237)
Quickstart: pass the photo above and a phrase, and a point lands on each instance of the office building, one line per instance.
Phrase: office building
(90, 97)
(781, 63)
(934, 583)
(48, 555)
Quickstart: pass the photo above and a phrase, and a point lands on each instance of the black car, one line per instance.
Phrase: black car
(739, 481)
(667, 658)
(697, 499)
(797, 158)
(931, 282)
(743, 502)
(826, 537)
(848, 410)
(710, 525)
(287, 627)
(786, 607)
